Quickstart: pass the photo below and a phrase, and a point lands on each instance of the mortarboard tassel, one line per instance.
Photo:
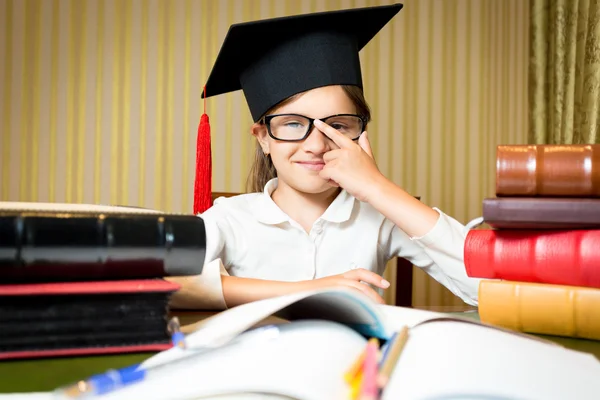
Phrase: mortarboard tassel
(202, 185)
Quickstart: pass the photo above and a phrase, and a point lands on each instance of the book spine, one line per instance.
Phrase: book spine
(541, 308)
(80, 248)
(541, 213)
(562, 257)
(548, 170)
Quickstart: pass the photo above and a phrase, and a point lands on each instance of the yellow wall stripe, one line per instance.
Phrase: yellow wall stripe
(413, 88)
(114, 166)
(444, 97)
(125, 102)
(245, 139)
(81, 103)
(428, 128)
(372, 81)
(406, 37)
(468, 105)
(25, 136)
(484, 91)
(189, 91)
(6, 27)
(53, 103)
(34, 101)
(170, 53)
(228, 112)
(73, 72)
(158, 128)
(143, 101)
(98, 100)
(390, 98)
(453, 99)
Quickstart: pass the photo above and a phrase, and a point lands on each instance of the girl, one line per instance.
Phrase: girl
(320, 213)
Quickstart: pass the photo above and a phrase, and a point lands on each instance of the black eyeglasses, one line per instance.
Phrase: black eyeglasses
(295, 127)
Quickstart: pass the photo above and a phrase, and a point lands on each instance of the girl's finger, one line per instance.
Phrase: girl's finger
(363, 142)
(367, 276)
(342, 141)
(331, 155)
(368, 291)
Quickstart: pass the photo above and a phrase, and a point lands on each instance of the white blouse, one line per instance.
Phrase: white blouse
(250, 236)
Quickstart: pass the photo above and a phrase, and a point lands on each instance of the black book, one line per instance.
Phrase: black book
(46, 242)
(84, 318)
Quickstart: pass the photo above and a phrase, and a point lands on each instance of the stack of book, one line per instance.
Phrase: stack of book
(541, 258)
(83, 279)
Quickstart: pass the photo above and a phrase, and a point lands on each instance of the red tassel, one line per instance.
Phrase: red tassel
(202, 185)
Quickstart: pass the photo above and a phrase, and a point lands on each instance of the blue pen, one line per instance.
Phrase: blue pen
(177, 337)
(102, 383)
(114, 379)
(386, 349)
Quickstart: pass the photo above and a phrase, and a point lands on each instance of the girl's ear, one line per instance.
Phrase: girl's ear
(259, 131)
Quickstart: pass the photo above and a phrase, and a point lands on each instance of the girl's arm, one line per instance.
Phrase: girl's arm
(206, 293)
(430, 239)
(238, 290)
(353, 168)
(409, 214)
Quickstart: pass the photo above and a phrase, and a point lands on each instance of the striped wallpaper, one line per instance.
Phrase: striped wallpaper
(100, 99)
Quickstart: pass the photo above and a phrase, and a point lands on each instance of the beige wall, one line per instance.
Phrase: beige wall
(100, 100)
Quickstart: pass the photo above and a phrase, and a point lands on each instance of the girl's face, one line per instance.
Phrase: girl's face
(298, 163)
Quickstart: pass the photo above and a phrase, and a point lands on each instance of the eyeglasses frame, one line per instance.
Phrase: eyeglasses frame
(267, 121)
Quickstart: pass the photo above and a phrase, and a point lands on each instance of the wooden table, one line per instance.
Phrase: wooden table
(47, 374)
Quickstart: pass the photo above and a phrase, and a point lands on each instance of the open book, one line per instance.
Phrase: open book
(306, 356)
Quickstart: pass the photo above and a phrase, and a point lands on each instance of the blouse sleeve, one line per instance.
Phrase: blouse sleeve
(440, 253)
(206, 288)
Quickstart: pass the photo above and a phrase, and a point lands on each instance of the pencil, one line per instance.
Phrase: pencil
(355, 368)
(355, 385)
(386, 349)
(393, 353)
(369, 389)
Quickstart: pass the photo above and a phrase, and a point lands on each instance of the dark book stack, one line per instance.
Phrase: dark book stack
(77, 279)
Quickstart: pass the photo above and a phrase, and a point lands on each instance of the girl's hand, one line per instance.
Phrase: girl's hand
(352, 279)
(351, 166)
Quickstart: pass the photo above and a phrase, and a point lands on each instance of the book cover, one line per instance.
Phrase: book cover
(562, 257)
(82, 318)
(561, 310)
(541, 213)
(548, 170)
(42, 242)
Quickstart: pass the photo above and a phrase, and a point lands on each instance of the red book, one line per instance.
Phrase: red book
(562, 257)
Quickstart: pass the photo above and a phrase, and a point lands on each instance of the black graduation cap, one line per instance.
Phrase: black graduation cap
(273, 59)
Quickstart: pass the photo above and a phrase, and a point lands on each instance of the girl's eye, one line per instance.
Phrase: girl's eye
(294, 125)
(338, 126)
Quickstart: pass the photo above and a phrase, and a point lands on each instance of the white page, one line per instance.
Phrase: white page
(396, 317)
(444, 359)
(441, 360)
(342, 305)
(304, 360)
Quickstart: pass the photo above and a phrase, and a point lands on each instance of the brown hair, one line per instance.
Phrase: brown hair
(263, 170)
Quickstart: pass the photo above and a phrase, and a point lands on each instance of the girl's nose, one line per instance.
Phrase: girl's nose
(317, 142)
